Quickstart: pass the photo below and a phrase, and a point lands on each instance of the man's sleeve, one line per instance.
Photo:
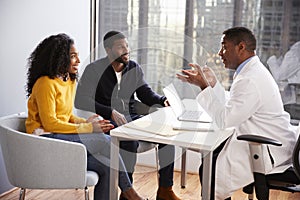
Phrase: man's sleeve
(145, 92)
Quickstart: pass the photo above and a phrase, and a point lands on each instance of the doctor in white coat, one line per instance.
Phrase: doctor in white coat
(253, 106)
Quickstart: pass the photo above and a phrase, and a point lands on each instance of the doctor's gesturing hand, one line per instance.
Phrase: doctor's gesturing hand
(199, 76)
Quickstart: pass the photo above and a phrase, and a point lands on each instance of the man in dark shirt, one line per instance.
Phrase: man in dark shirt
(107, 87)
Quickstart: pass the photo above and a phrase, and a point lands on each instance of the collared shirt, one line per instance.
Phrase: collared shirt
(240, 67)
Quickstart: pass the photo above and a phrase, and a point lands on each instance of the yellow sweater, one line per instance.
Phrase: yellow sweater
(50, 106)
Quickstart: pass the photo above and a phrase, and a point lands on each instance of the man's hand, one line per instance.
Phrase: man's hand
(118, 118)
(166, 103)
(199, 76)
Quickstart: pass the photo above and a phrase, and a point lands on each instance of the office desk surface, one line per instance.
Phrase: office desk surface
(153, 127)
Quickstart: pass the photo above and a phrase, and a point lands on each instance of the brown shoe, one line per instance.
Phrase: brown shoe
(122, 197)
(166, 193)
(131, 195)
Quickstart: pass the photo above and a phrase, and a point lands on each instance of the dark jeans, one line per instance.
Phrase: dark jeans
(216, 153)
(166, 156)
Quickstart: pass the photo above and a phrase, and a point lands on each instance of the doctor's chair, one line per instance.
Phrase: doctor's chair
(288, 181)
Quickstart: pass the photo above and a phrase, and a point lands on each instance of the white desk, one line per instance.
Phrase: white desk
(158, 122)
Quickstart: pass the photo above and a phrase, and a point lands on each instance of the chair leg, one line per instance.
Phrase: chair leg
(157, 163)
(260, 184)
(86, 193)
(22, 194)
(249, 189)
(183, 168)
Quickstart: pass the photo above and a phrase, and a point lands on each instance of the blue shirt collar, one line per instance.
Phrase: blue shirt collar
(241, 66)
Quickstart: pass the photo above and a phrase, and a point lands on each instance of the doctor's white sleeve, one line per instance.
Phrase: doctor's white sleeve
(213, 101)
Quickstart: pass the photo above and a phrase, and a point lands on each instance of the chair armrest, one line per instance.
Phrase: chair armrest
(257, 151)
(259, 139)
(143, 109)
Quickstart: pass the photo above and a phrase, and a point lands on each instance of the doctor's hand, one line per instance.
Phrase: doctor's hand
(199, 76)
(118, 118)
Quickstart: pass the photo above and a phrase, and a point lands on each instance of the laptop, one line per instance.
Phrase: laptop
(179, 109)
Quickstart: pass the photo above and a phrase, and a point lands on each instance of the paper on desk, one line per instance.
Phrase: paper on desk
(168, 129)
(152, 127)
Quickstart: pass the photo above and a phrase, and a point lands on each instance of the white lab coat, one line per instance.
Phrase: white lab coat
(254, 106)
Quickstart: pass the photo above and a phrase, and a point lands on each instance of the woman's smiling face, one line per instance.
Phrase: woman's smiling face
(74, 60)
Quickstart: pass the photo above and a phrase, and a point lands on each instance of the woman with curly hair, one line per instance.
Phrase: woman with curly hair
(52, 74)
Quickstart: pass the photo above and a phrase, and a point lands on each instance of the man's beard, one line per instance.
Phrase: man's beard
(121, 60)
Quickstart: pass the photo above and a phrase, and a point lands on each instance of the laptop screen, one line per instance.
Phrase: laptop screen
(174, 99)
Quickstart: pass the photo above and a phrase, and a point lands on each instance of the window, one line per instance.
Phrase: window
(165, 35)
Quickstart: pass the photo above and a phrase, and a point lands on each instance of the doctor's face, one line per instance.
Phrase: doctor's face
(229, 53)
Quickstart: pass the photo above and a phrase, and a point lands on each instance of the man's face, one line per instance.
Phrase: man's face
(229, 53)
(119, 52)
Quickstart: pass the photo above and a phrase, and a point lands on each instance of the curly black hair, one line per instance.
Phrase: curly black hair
(50, 58)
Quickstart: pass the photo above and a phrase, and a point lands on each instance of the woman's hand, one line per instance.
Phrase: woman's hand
(93, 118)
(102, 126)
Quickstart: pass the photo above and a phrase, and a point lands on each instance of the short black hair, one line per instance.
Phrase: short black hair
(110, 37)
(241, 34)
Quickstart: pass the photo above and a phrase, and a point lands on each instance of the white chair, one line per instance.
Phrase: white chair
(35, 162)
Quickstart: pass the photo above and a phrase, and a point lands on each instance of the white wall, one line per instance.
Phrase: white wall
(23, 24)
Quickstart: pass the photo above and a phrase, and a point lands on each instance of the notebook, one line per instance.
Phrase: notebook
(179, 109)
